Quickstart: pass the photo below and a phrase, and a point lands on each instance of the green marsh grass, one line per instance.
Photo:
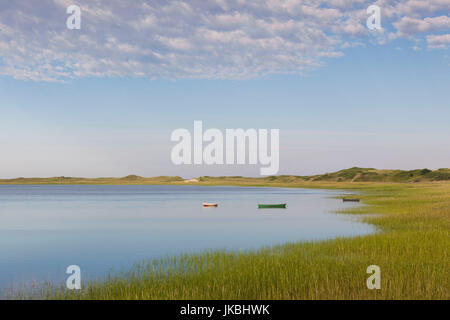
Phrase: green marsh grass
(411, 248)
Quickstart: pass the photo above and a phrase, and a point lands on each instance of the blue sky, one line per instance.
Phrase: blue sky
(379, 103)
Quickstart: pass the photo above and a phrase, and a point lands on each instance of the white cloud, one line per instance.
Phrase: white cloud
(197, 38)
(438, 41)
(411, 26)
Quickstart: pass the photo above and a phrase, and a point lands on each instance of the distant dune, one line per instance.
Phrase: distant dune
(354, 174)
(131, 179)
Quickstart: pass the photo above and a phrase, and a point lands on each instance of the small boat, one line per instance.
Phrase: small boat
(206, 204)
(272, 206)
(350, 200)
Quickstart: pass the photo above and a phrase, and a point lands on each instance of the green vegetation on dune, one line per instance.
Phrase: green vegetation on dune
(348, 175)
(411, 249)
(131, 179)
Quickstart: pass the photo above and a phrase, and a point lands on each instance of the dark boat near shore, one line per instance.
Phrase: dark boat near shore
(350, 200)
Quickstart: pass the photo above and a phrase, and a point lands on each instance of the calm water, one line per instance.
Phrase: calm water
(44, 229)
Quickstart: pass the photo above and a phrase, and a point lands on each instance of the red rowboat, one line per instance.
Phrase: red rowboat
(206, 204)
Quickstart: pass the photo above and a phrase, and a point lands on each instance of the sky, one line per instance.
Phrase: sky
(104, 100)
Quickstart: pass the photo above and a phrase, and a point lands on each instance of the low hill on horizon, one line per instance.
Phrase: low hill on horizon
(130, 179)
(354, 174)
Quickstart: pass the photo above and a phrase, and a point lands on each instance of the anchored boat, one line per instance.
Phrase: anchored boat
(272, 206)
(350, 200)
(206, 204)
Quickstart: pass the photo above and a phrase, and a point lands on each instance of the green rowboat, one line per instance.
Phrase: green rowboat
(271, 206)
(350, 200)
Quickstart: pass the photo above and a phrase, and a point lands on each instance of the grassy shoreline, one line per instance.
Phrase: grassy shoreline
(411, 250)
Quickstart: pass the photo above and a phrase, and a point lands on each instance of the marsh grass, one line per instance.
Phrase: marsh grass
(411, 249)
